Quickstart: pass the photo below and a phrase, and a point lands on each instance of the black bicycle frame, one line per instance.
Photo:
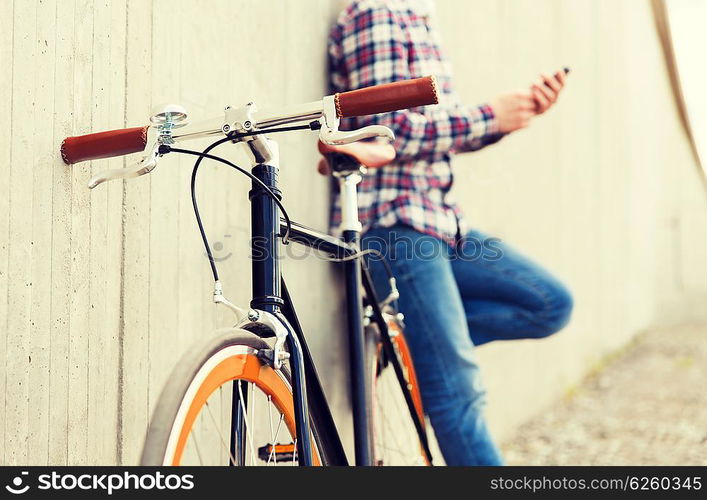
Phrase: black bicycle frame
(270, 294)
(267, 295)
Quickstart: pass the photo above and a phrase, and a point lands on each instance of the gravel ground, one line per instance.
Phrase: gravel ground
(648, 406)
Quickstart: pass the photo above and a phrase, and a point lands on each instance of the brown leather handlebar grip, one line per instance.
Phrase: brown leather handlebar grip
(103, 144)
(387, 97)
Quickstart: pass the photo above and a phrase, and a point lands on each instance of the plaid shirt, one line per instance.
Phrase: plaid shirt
(382, 41)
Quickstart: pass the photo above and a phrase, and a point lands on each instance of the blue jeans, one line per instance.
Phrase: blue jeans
(454, 299)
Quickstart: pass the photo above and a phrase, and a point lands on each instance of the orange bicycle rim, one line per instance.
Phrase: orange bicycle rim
(245, 367)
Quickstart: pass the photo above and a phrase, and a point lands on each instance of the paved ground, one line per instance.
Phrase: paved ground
(646, 407)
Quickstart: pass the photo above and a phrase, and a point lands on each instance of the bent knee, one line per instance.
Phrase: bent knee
(557, 311)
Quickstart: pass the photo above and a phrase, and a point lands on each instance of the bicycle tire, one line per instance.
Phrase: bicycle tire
(232, 355)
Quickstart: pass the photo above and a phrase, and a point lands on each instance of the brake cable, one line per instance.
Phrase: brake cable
(164, 149)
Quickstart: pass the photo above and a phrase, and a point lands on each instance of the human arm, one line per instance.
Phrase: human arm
(372, 48)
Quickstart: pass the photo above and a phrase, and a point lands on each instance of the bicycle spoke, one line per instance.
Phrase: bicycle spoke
(248, 430)
(273, 436)
(252, 404)
(196, 445)
(391, 426)
(273, 455)
(395, 438)
(237, 424)
(218, 429)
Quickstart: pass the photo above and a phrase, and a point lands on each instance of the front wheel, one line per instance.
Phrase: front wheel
(224, 405)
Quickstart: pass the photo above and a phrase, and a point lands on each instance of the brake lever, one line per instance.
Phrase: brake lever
(165, 119)
(335, 137)
(145, 166)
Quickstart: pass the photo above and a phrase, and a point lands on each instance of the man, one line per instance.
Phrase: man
(458, 287)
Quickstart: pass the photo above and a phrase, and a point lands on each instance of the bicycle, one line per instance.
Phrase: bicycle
(262, 367)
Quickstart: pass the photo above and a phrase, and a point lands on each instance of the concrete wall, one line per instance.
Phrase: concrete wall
(101, 291)
(604, 190)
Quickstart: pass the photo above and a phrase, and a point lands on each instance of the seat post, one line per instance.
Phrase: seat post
(349, 201)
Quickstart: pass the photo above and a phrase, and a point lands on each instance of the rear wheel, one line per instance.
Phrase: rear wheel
(223, 405)
(395, 440)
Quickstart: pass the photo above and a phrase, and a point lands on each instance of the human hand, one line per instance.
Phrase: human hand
(513, 110)
(546, 90)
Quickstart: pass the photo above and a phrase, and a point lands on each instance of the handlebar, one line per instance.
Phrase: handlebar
(103, 144)
(388, 97)
(366, 101)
